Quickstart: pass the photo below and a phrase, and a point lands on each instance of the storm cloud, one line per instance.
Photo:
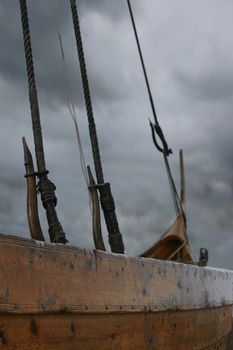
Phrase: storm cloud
(188, 52)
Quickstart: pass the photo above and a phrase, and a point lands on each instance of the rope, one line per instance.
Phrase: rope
(176, 199)
(27, 44)
(46, 187)
(32, 88)
(71, 107)
(177, 250)
(47, 190)
(175, 196)
(142, 62)
(117, 245)
(87, 96)
(157, 127)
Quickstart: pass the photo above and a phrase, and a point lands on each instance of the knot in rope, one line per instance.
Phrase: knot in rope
(47, 191)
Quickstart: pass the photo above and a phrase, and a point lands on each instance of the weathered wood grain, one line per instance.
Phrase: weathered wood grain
(61, 297)
(183, 330)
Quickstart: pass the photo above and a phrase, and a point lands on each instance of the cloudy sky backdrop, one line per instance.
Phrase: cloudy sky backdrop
(188, 50)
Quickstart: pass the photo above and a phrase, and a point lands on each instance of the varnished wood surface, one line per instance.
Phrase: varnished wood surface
(38, 277)
(32, 206)
(170, 242)
(62, 297)
(230, 339)
(176, 330)
(174, 245)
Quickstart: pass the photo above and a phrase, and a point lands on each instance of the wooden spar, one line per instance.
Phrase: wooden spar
(46, 187)
(32, 207)
(96, 219)
(106, 198)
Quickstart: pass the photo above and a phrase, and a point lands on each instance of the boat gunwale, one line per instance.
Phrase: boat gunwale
(59, 278)
(59, 247)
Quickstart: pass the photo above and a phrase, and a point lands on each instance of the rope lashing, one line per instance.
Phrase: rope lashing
(47, 190)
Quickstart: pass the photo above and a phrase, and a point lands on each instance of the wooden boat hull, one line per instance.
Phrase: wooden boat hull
(61, 297)
(198, 329)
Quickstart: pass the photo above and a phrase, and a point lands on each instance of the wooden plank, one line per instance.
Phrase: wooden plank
(37, 277)
(183, 330)
(230, 339)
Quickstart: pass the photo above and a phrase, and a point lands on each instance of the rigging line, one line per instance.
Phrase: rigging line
(70, 102)
(71, 107)
(46, 187)
(156, 127)
(174, 193)
(175, 196)
(143, 63)
(106, 198)
(177, 250)
(81, 154)
(166, 150)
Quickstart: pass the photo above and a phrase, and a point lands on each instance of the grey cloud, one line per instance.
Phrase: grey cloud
(215, 85)
(117, 10)
(45, 20)
(194, 104)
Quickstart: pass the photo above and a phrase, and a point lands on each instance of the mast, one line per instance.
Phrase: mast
(46, 187)
(106, 198)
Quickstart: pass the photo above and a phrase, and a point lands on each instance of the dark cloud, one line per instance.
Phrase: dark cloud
(189, 62)
(46, 20)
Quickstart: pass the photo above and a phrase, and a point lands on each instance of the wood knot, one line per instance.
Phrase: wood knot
(33, 327)
(2, 337)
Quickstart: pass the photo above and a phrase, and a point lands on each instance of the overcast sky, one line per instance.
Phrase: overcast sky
(188, 50)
